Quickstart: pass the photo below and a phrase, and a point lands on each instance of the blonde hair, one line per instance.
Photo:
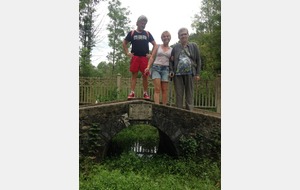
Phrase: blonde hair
(165, 32)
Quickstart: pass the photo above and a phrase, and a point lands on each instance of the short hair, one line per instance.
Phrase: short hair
(183, 29)
(142, 18)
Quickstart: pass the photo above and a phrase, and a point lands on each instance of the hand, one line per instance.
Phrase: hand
(197, 78)
(148, 55)
(129, 54)
(171, 74)
(172, 58)
(146, 72)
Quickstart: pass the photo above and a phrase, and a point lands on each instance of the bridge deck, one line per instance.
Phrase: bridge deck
(137, 100)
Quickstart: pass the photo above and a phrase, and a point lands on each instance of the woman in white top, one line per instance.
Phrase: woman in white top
(160, 68)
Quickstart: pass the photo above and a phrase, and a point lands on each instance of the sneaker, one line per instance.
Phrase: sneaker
(146, 96)
(130, 96)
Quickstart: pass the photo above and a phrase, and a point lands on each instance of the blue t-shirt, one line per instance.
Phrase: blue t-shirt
(139, 42)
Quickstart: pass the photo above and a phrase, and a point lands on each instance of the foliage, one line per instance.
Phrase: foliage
(118, 27)
(85, 68)
(202, 147)
(132, 172)
(87, 35)
(111, 95)
(89, 141)
(188, 146)
(86, 165)
(208, 37)
(210, 147)
(146, 135)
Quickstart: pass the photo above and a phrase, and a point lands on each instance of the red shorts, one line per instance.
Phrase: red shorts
(138, 63)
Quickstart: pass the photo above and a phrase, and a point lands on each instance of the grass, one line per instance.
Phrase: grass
(131, 172)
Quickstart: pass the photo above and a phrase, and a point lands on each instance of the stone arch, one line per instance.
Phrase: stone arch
(165, 145)
(101, 123)
(95, 135)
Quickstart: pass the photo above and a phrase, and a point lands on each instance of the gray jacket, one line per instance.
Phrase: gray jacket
(195, 57)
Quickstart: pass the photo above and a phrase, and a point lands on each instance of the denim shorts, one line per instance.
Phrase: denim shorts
(161, 72)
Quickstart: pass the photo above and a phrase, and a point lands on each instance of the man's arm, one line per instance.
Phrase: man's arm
(125, 48)
(154, 48)
(152, 56)
(197, 59)
(171, 62)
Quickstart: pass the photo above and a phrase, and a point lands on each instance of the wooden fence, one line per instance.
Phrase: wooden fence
(92, 90)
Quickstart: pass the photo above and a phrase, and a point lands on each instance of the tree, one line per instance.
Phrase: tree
(118, 27)
(208, 36)
(88, 33)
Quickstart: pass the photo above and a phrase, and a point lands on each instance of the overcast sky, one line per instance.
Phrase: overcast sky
(162, 15)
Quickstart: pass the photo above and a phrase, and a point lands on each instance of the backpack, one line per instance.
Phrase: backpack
(132, 32)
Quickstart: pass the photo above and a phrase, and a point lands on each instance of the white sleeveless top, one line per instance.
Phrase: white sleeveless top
(162, 58)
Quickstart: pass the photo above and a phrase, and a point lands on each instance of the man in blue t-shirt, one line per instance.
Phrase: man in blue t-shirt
(139, 54)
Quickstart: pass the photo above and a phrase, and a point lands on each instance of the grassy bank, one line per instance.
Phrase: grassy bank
(131, 172)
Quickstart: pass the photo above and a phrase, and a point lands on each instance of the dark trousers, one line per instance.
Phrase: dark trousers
(184, 86)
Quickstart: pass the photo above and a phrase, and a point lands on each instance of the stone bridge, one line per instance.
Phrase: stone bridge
(98, 124)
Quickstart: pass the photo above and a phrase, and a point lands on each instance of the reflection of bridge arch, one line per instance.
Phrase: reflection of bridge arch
(98, 124)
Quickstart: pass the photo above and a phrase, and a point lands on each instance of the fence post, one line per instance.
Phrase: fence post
(118, 85)
(218, 93)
